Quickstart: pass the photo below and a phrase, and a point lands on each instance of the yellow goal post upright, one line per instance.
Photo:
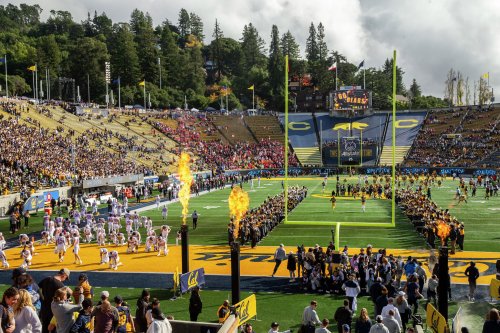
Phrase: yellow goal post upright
(337, 224)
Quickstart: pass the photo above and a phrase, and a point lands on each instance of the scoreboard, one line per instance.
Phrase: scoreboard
(351, 98)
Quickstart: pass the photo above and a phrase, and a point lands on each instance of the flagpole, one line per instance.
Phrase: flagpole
(253, 98)
(364, 78)
(48, 84)
(145, 107)
(6, 80)
(88, 88)
(286, 139)
(33, 83)
(36, 82)
(119, 94)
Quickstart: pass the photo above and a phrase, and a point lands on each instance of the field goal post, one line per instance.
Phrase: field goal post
(393, 166)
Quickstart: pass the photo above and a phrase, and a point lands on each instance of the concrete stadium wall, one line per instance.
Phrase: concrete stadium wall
(7, 201)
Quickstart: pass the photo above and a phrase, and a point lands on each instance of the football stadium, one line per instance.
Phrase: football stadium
(157, 179)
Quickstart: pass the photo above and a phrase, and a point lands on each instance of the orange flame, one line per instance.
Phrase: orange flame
(443, 231)
(238, 206)
(187, 179)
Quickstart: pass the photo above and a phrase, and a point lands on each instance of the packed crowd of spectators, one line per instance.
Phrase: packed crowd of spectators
(39, 157)
(259, 221)
(218, 155)
(472, 135)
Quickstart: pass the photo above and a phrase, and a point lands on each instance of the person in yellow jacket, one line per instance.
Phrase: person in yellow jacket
(223, 311)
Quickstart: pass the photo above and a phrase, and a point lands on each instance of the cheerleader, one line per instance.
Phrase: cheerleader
(3, 257)
(132, 245)
(23, 239)
(76, 247)
(2, 241)
(103, 253)
(114, 260)
(162, 246)
(60, 247)
(150, 243)
(26, 255)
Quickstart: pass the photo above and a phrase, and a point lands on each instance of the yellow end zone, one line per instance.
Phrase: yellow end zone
(216, 260)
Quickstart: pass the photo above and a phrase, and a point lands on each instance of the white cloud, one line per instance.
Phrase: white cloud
(430, 36)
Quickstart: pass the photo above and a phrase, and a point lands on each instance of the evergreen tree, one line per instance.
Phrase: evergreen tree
(216, 49)
(289, 46)
(184, 23)
(171, 58)
(88, 57)
(276, 68)
(124, 59)
(312, 51)
(415, 90)
(196, 26)
(145, 39)
(252, 46)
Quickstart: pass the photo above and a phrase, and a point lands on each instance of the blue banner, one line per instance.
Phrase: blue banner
(34, 202)
(192, 279)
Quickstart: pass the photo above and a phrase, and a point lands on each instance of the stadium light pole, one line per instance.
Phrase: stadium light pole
(286, 141)
(393, 210)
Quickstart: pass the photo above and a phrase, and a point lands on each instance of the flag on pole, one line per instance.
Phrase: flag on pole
(333, 66)
(116, 81)
(2, 60)
(486, 75)
(142, 83)
(361, 65)
(251, 87)
(32, 68)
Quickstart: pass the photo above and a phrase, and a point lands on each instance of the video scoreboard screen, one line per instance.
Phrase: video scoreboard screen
(350, 151)
(351, 98)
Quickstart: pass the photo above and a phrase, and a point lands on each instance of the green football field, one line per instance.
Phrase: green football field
(480, 217)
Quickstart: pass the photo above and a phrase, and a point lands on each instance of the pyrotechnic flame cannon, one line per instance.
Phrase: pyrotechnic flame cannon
(238, 206)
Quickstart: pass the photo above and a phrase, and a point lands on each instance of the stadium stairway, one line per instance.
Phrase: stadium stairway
(386, 156)
(308, 156)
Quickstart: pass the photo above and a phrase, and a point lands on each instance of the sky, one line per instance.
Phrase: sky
(430, 36)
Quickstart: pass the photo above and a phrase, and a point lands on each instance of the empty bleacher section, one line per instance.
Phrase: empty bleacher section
(408, 126)
(265, 127)
(302, 136)
(233, 129)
